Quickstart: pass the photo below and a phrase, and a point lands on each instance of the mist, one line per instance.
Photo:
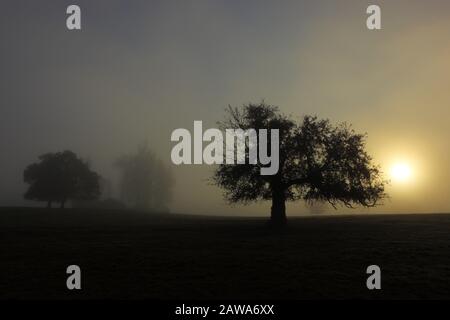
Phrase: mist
(139, 70)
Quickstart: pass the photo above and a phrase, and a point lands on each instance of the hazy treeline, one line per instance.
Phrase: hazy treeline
(145, 182)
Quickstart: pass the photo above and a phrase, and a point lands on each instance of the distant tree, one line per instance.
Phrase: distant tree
(145, 182)
(59, 177)
(318, 162)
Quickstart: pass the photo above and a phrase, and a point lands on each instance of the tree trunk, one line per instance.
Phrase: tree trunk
(63, 203)
(278, 210)
(49, 204)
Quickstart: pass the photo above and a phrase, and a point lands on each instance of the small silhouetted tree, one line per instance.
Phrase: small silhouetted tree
(145, 182)
(317, 162)
(59, 177)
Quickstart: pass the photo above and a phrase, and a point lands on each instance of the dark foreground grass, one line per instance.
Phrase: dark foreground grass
(133, 255)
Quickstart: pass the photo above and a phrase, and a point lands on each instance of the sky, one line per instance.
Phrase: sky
(140, 69)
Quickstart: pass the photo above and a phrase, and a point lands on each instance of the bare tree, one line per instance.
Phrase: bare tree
(145, 182)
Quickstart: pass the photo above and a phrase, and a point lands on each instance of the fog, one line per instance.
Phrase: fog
(140, 69)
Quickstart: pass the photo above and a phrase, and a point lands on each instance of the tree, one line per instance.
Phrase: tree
(145, 182)
(59, 177)
(318, 162)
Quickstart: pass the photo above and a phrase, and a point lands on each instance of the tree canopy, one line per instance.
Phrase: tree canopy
(59, 177)
(318, 161)
(145, 182)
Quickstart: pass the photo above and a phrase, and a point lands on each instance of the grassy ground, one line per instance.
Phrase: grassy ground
(131, 255)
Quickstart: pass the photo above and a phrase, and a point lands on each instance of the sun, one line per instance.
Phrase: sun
(401, 172)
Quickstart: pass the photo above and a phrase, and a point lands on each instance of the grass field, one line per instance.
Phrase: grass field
(129, 255)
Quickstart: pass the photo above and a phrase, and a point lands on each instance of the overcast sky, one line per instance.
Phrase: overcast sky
(140, 69)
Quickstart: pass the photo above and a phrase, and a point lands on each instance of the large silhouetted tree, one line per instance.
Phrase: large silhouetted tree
(59, 177)
(317, 162)
(145, 182)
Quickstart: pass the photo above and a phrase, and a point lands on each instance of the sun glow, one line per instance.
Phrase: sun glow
(401, 172)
